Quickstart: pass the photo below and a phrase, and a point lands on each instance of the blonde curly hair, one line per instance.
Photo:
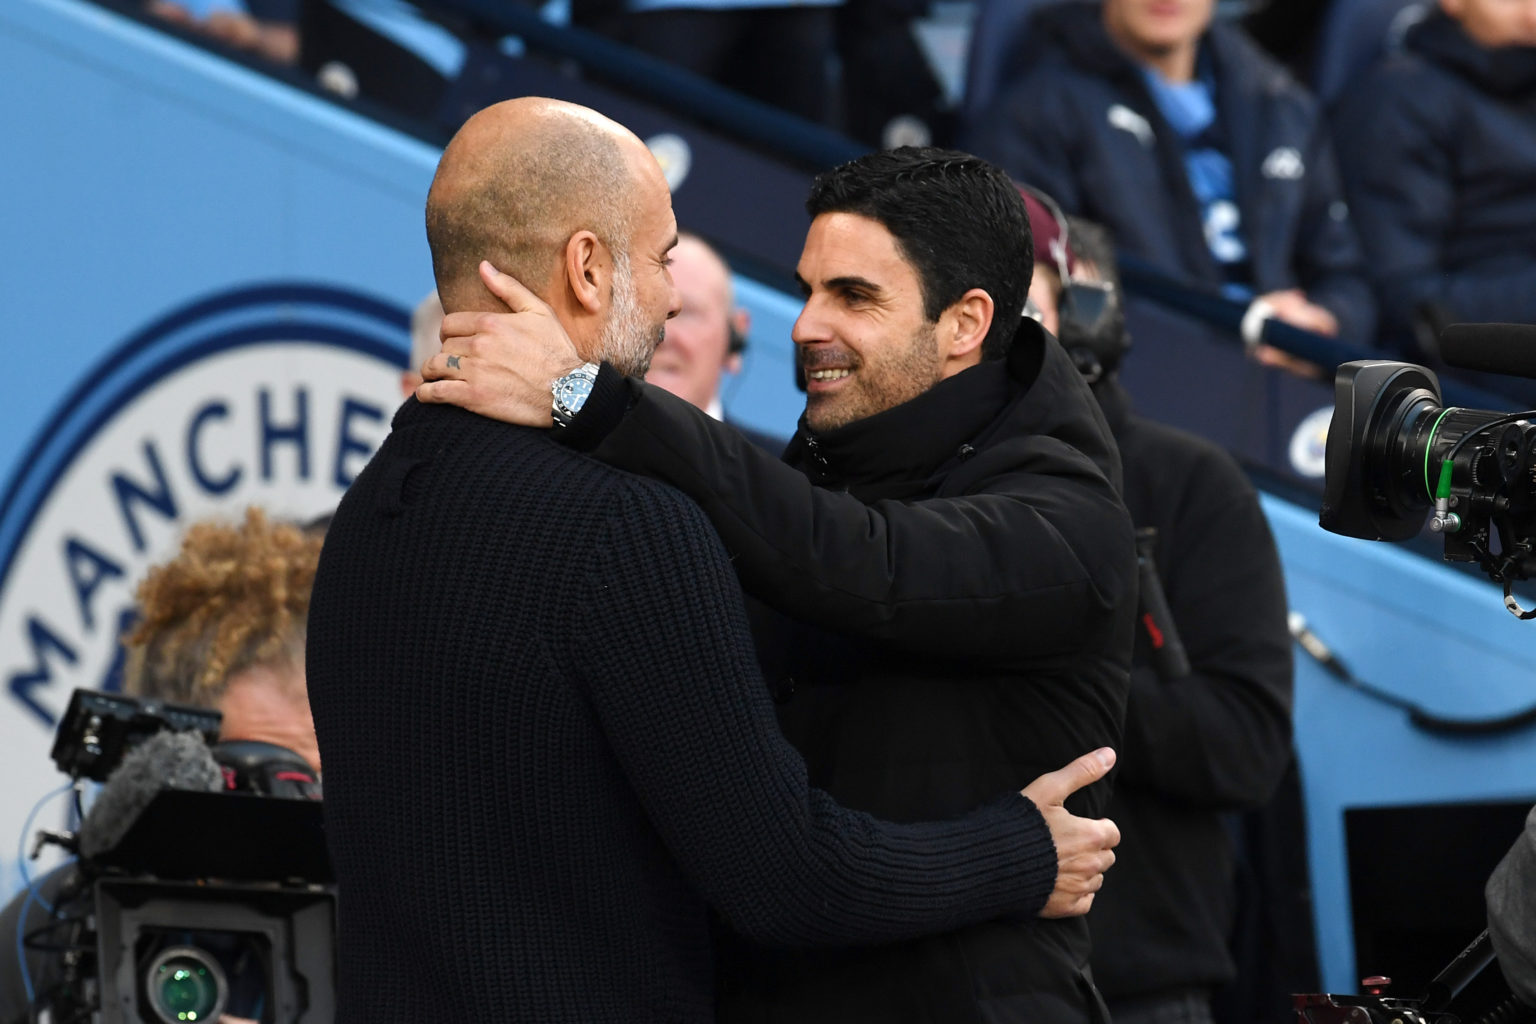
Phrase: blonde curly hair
(235, 597)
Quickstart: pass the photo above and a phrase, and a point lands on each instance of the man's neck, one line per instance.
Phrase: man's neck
(1175, 65)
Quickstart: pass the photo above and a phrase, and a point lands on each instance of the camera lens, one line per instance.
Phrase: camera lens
(184, 984)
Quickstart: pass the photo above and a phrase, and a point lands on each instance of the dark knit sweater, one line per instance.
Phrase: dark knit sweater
(547, 748)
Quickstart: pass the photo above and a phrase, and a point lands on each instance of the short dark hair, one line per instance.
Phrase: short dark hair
(956, 218)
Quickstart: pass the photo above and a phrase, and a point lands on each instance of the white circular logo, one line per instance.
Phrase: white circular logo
(675, 156)
(273, 396)
(1309, 444)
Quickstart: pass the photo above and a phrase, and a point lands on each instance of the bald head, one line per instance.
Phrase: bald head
(516, 182)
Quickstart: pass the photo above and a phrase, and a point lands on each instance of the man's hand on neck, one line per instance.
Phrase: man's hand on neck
(501, 365)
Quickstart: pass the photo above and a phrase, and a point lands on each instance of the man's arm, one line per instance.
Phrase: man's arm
(1219, 738)
(1025, 132)
(665, 658)
(1041, 547)
(1397, 160)
(1330, 261)
(1511, 896)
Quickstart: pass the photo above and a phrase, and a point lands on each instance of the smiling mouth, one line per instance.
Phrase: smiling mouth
(827, 375)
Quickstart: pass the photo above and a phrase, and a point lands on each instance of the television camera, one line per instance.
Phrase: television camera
(1397, 454)
(202, 889)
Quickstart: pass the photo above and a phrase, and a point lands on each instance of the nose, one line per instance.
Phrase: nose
(810, 325)
(674, 299)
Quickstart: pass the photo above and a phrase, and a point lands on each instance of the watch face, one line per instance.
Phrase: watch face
(574, 390)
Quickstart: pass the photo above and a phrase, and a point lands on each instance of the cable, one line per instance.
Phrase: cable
(1502, 421)
(32, 894)
(1418, 715)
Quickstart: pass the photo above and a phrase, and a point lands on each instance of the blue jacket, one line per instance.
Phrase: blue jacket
(1080, 124)
(1438, 149)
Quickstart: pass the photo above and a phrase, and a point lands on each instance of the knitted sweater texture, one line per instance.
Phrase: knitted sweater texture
(548, 752)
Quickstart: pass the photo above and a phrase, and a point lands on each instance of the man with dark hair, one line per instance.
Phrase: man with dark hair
(945, 570)
(548, 748)
(929, 200)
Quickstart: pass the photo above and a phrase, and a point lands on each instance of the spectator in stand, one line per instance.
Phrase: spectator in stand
(266, 29)
(1194, 148)
(704, 342)
(1438, 148)
(776, 51)
(1203, 737)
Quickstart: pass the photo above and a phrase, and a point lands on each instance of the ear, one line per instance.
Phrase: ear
(964, 326)
(588, 270)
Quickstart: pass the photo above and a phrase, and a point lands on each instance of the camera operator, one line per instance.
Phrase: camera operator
(1512, 914)
(222, 626)
(1205, 734)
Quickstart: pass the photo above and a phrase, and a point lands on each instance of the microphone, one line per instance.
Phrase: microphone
(166, 760)
(1169, 660)
(1494, 348)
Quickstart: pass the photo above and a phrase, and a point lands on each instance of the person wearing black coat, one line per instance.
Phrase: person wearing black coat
(942, 608)
(548, 748)
(1438, 150)
(1207, 730)
(948, 575)
(1214, 740)
(547, 757)
(1080, 122)
(948, 568)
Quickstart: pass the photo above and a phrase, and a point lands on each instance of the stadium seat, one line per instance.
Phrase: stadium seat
(999, 29)
(1355, 34)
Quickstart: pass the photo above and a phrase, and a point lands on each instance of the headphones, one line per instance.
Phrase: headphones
(1091, 318)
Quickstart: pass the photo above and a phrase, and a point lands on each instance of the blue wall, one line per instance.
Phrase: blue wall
(143, 175)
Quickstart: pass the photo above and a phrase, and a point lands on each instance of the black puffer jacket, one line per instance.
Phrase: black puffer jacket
(1438, 148)
(953, 585)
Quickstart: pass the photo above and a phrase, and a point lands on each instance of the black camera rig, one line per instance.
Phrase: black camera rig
(1397, 454)
(199, 890)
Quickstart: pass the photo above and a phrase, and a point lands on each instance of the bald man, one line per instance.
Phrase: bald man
(548, 750)
(704, 342)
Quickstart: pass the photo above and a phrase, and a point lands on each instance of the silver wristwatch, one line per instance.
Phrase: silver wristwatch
(571, 392)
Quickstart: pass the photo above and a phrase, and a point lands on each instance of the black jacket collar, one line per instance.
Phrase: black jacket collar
(893, 453)
(886, 454)
(1508, 72)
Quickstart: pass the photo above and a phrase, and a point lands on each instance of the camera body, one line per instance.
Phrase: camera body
(1397, 455)
(203, 886)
